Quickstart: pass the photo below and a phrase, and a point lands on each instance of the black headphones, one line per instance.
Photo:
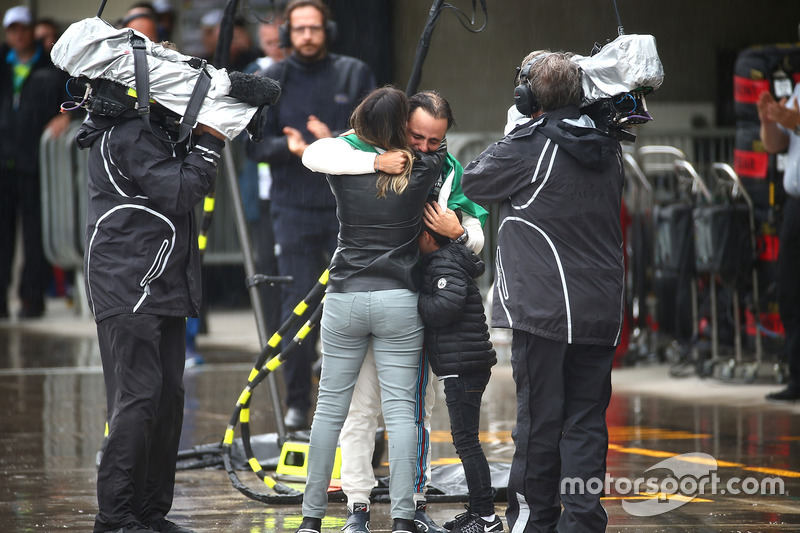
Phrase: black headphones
(285, 39)
(524, 98)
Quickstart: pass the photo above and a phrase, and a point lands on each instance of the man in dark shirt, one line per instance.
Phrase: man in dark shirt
(319, 91)
(31, 91)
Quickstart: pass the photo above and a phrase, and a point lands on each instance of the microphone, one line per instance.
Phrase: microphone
(254, 90)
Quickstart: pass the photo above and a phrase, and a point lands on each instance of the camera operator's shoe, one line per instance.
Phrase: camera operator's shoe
(401, 525)
(789, 394)
(163, 525)
(476, 524)
(310, 525)
(358, 520)
(425, 523)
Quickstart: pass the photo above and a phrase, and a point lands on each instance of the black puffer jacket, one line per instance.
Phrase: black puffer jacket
(456, 334)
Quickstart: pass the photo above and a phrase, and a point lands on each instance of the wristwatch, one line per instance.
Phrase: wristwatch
(463, 237)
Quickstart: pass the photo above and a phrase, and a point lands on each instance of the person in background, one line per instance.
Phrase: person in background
(46, 32)
(255, 182)
(142, 18)
(165, 16)
(319, 91)
(558, 286)
(780, 130)
(209, 33)
(31, 93)
(371, 298)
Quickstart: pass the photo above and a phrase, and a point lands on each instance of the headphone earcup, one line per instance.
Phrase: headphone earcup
(284, 41)
(331, 32)
(524, 100)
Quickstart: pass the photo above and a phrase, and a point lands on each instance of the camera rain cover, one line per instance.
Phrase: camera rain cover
(94, 49)
(627, 63)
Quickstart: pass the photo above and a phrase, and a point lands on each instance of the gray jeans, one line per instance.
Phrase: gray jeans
(389, 319)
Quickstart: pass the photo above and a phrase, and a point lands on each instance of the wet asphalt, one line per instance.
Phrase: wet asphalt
(718, 457)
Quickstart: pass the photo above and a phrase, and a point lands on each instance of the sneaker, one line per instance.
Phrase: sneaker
(358, 520)
(476, 524)
(459, 519)
(402, 525)
(789, 394)
(310, 525)
(133, 527)
(425, 523)
(193, 359)
(295, 419)
(165, 526)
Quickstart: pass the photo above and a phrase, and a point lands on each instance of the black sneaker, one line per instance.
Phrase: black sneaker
(402, 525)
(295, 419)
(458, 520)
(476, 524)
(163, 525)
(358, 520)
(310, 525)
(425, 523)
(789, 394)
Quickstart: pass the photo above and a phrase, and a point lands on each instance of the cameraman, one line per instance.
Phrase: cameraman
(558, 286)
(142, 270)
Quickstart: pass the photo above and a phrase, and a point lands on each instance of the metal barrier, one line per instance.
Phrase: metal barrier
(63, 181)
(64, 178)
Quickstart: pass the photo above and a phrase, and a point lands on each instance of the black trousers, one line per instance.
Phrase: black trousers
(305, 241)
(563, 391)
(143, 361)
(267, 264)
(789, 285)
(463, 396)
(20, 196)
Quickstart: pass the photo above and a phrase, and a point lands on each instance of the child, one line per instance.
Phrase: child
(461, 355)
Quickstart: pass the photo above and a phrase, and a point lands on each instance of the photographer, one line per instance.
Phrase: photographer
(142, 270)
(558, 286)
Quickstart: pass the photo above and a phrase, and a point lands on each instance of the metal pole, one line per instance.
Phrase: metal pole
(422, 47)
(250, 272)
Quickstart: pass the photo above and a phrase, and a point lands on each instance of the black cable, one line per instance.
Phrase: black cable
(427, 31)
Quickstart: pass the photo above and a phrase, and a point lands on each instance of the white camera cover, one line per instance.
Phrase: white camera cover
(94, 49)
(626, 63)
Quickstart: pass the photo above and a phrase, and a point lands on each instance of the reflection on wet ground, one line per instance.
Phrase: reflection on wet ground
(52, 410)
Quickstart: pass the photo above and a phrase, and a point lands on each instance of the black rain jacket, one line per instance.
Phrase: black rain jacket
(42, 94)
(451, 307)
(559, 270)
(141, 235)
